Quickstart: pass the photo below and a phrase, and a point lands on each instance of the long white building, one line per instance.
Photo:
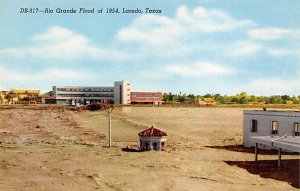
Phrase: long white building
(117, 94)
(270, 123)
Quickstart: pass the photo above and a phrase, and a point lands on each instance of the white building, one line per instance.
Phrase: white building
(122, 91)
(117, 94)
(152, 139)
(270, 123)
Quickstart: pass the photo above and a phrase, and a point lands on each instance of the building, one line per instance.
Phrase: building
(122, 90)
(15, 96)
(152, 139)
(146, 98)
(206, 101)
(3, 97)
(74, 95)
(26, 93)
(9, 97)
(270, 123)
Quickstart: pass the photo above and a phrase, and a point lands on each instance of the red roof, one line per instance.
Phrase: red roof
(152, 132)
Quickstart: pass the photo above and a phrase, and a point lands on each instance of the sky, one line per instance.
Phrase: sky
(198, 47)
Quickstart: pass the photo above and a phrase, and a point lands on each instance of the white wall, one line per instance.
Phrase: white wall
(122, 90)
(105, 92)
(286, 120)
(151, 141)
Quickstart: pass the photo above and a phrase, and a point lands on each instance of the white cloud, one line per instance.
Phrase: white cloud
(160, 31)
(62, 43)
(44, 75)
(277, 86)
(289, 36)
(198, 69)
(243, 48)
(269, 33)
(15, 52)
(152, 30)
(203, 20)
(58, 34)
(283, 52)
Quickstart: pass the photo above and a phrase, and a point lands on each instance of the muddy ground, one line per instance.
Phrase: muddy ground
(60, 149)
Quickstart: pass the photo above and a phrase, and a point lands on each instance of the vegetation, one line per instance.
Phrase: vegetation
(48, 94)
(241, 98)
(94, 106)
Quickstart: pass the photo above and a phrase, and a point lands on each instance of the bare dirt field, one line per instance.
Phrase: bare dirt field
(59, 149)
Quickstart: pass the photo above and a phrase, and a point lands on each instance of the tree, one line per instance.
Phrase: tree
(181, 98)
(285, 98)
(295, 100)
(50, 93)
(207, 95)
(275, 99)
(192, 98)
(166, 97)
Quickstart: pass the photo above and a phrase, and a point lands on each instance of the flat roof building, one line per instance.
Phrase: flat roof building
(117, 94)
(25, 93)
(147, 97)
(270, 123)
(122, 90)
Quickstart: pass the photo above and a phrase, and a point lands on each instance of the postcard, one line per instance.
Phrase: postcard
(149, 95)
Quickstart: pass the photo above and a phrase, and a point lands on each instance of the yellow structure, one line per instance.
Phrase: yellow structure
(26, 93)
(18, 96)
(3, 97)
(8, 97)
(206, 101)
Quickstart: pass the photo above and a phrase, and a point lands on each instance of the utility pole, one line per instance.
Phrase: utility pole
(109, 110)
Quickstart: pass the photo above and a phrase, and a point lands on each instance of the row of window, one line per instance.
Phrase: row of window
(276, 115)
(85, 95)
(146, 96)
(274, 127)
(85, 89)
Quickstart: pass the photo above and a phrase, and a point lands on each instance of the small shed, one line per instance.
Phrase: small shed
(152, 139)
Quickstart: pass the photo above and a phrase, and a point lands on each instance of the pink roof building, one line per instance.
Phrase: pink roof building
(146, 98)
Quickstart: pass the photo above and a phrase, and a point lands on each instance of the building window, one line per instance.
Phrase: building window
(253, 127)
(274, 127)
(297, 129)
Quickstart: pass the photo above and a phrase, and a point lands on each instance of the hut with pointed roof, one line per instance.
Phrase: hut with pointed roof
(152, 139)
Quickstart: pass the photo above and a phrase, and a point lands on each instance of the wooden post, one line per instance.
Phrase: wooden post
(109, 129)
(256, 151)
(279, 157)
(173, 100)
(109, 111)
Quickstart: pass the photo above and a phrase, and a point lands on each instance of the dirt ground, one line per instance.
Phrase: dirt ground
(60, 149)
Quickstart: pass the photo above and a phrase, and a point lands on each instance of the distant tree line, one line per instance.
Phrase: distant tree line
(241, 98)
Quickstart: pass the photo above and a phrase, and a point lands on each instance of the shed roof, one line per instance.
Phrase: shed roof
(152, 132)
(289, 143)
